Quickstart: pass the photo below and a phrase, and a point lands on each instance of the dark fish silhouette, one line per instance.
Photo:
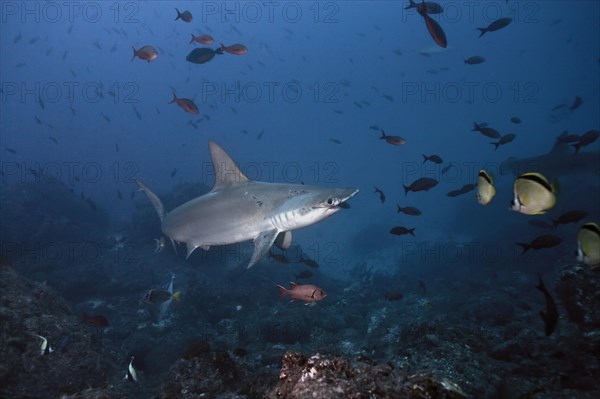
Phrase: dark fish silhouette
(494, 26)
(516, 120)
(476, 59)
(578, 101)
(400, 231)
(422, 184)
(550, 317)
(408, 210)
(463, 190)
(545, 241)
(430, 6)
(569, 217)
(433, 158)
(507, 138)
(586, 139)
(486, 131)
(185, 16)
(201, 55)
(394, 140)
(381, 194)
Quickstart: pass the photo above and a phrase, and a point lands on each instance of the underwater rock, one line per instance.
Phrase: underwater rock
(30, 309)
(205, 373)
(321, 376)
(578, 289)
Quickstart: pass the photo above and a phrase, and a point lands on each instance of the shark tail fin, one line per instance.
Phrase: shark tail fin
(156, 202)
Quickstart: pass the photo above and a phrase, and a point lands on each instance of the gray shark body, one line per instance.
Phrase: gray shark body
(559, 161)
(238, 209)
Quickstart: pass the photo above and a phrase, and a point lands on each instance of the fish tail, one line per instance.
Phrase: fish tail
(496, 145)
(406, 189)
(524, 246)
(178, 14)
(283, 292)
(412, 231)
(399, 208)
(382, 134)
(411, 4)
(425, 158)
(476, 127)
(174, 99)
(177, 295)
(577, 147)
(482, 30)
(134, 53)
(192, 39)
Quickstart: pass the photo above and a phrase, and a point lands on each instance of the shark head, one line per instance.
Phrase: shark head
(312, 204)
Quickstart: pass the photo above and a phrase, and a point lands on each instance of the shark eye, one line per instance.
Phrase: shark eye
(330, 201)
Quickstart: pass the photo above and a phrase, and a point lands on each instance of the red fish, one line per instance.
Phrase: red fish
(187, 104)
(146, 53)
(204, 39)
(98, 320)
(435, 30)
(237, 49)
(306, 292)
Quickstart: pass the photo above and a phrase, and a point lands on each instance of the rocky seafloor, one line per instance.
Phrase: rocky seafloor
(230, 337)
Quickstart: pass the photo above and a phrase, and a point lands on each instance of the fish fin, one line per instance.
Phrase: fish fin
(425, 158)
(178, 14)
(399, 208)
(134, 53)
(177, 295)
(283, 292)
(406, 189)
(412, 231)
(496, 145)
(156, 202)
(226, 171)
(284, 239)
(262, 244)
(292, 285)
(192, 40)
(174, 99)
(382, 134)
(190, 249)
(482, 30)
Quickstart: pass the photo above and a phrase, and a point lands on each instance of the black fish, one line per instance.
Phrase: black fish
(476, 59)
(336, 141)
(486, 131)
(408, 210)
(463, 190)
(569, 217)
(201, 55)
(550, 317)
(545, 241)
(399, 231)
(309, 262)
(433, 158)
(494, 26)
(381, 194)
(515, 120)
(422, 184)
(578, 101)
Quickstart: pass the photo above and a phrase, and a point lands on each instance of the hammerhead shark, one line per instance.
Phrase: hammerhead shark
(559, 161)
(238, 209)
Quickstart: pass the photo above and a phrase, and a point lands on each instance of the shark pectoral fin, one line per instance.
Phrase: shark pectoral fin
(284, 239)
(190, 249)
(262, 244)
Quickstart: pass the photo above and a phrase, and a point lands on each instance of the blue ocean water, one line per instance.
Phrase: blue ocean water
(305, 105)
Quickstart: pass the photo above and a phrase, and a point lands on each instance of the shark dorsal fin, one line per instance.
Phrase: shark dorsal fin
(226, 171)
